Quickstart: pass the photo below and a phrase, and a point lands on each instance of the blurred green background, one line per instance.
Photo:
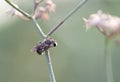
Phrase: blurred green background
(79, 56)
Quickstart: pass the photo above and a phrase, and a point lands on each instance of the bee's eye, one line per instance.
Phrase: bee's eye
(54, 44)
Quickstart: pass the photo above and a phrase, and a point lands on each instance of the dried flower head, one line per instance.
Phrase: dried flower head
(50, 6)
(14, 12)
(107, 24)
(45, 45)
(40, 12)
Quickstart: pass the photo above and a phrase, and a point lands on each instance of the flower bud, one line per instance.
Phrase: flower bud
(14, 12)
(107, 24)
(50, 6)
(41, 13)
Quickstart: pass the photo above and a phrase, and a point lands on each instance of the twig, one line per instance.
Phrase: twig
(18, 9)
(39, 28)
(66, 17)
(36, 3)
(108, 61)
(50, 69)
(47, 54)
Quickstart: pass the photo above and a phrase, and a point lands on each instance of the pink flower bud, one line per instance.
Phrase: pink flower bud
(50, 6)
(41, 13)
(107, 24)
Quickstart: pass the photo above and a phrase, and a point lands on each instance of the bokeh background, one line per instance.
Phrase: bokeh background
(79, 56)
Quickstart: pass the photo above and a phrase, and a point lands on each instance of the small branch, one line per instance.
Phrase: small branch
(39, 28)
(18, 9)
(50, 69)
(36, 3)
(108, 61)
(48, 58)
(66, 17)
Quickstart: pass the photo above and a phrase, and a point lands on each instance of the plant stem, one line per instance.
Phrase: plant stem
(50, 69)
(18, 9)
(39, 28)
(36, 3)
(67, 16)
(108, 60)
(48, 59)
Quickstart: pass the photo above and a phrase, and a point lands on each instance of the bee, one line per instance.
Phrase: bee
(43, 46)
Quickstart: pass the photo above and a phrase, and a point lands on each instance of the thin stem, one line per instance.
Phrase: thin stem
(39, 28)
(108, 61)
(28, 16)
(48, 59)
(67, 16)
(36, 3)
(18, 9)
(50, 69)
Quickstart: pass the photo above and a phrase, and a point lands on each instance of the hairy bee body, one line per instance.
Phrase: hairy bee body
(45, 45)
